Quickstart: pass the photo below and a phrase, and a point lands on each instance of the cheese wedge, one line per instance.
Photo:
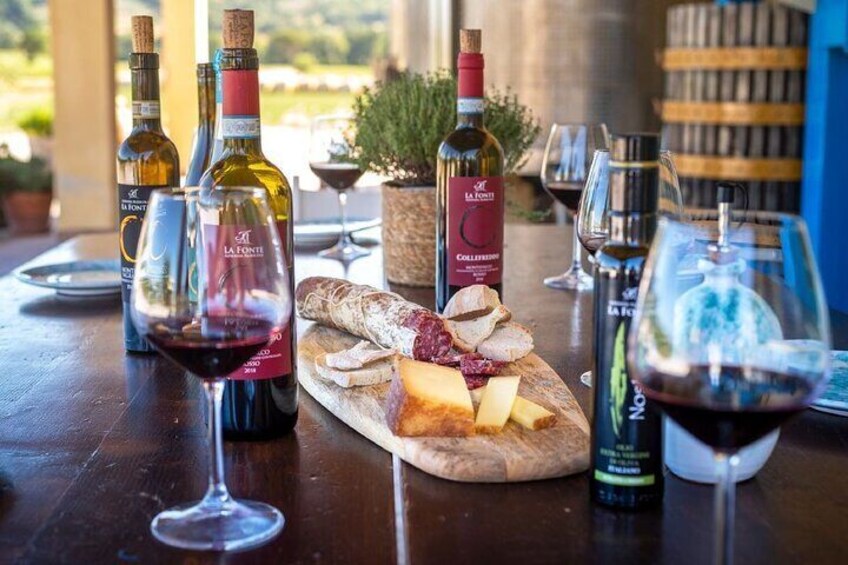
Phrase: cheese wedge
(496, 405)
(531, 415)
(426, 399)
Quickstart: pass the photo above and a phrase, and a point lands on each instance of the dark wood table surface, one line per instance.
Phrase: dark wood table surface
(93, 443)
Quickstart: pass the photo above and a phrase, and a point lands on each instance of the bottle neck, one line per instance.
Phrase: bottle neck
(206, 101)
(469, 100)
(240, 111)
(632, 229)
(145, 98)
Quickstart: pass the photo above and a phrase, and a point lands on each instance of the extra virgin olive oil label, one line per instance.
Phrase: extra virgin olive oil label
(231, 248)
(132, 207)
(627, 431)
(475, 225)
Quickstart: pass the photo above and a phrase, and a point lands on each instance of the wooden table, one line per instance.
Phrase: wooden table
(93, 443)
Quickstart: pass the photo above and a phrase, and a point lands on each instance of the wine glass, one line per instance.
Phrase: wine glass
(731, 335)
(568, 154)
(209, 291)
(592, 217)
(330, 160)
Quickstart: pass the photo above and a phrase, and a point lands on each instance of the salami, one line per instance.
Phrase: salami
(383, 317)
(475, 381)
(480, 367)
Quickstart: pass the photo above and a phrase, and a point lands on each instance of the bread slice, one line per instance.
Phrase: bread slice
(426, 399)
(471, 302)
(509, 342)
(375, 373)
(358, 356)
(468, 334)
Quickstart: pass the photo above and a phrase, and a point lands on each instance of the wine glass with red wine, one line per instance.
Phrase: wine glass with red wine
(210, 290)
(565, 165)
(330, 160)
(731, 335)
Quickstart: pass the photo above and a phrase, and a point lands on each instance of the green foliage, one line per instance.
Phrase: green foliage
(285, 45)
(22, 176)
(304, 62)
(33, 42)
(38, 121)
(400, 124)
(329, 46)
(366, 43)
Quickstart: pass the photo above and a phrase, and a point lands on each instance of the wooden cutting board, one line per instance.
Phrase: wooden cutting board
(516, 454)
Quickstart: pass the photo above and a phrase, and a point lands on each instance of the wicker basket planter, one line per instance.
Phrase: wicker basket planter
(409, 234)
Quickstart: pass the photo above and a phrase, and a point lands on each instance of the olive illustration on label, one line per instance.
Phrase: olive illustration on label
(475, 228)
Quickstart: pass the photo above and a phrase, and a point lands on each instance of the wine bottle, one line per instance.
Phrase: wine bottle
(204, 137)
(218, 137)
(469, 188)
(626, 452)
(146, 160)
(260, 399)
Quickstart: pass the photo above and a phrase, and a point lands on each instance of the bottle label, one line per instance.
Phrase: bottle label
(469, 105)
(240, 109)
(475, 224)
(145, 109)
(233, 248)
(626, 430)
(240, 127)
(132, 207)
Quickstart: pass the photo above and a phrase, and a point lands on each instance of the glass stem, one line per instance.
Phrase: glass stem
(576, 250)
(217, 494)
(725, 506)
(344, 237)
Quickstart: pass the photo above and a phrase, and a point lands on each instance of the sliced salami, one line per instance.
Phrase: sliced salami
(480, 367)
(454, 359)
(382, 317)
(475, 381)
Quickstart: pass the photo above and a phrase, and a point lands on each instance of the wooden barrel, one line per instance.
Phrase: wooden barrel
(734, 101)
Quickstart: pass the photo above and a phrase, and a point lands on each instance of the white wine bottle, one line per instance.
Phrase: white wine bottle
(260, 399)
(469, 188)
(146, 160)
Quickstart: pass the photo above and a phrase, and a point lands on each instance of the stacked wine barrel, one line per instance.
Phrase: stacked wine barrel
(734, 95)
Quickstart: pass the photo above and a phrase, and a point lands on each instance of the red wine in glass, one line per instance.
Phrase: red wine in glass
(729, 407)
(340, 176)
(567, 192)
(210, 347)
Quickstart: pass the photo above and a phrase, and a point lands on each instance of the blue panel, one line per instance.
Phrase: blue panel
(825, 184)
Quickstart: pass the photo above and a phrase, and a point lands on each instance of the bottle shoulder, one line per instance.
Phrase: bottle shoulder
(470, 142)
(246, 170)
(147, 145)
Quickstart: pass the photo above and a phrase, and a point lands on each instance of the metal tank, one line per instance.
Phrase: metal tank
(568, 60)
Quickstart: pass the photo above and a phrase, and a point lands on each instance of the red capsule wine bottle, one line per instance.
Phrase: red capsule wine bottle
(260, 399)
(469, 188)
(146, 160)
(627, 466)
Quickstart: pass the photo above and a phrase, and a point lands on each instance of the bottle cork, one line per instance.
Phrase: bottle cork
(238, 29)
(142, 34)
(470, 40)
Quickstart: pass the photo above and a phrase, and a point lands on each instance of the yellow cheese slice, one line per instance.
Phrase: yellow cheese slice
(531, 415)
(496, 404)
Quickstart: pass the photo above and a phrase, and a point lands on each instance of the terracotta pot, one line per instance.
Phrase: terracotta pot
(42, 147)
(27, 212)
(409, 234)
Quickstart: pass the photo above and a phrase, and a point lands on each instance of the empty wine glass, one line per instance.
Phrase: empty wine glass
(209, 291)
(568, 154)
(330, 160)
(731, 335)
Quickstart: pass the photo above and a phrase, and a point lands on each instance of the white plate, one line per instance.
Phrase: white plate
(77, 278)
(325, 232)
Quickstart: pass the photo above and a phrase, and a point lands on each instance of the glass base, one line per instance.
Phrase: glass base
(238, 524)
(586, 378)
(346, 252)
(573, 279)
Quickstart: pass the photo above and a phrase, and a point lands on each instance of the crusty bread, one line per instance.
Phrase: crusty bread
(374, 374)
(358, 356)
(468, 334)
(471, 302)
(509, 342)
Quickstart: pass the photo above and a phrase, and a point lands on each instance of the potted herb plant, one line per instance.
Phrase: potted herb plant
(26, 190)
(398, 128)
(38, 125)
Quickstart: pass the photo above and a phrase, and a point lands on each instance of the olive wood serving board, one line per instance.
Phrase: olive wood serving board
(516, 454)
